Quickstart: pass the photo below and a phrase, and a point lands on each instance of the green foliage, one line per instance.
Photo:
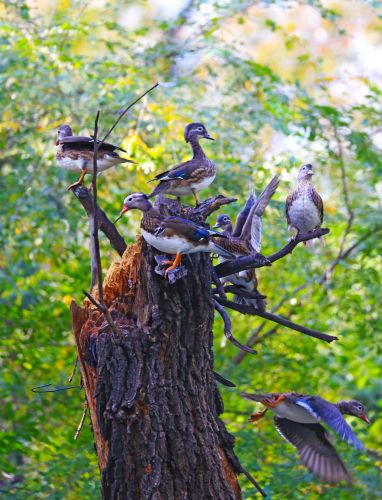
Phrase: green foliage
(61, 66)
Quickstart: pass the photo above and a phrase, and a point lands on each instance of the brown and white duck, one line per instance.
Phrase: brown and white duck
(304, 207)
(190, 176)
(298, 420)
(172, 235)
(245, 239)
(75, 154)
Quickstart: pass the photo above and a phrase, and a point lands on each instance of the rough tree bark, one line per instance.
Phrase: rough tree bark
(151, 391)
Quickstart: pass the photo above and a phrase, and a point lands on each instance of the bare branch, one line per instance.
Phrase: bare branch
(80, 425)
(227, 328)
(104, 223)
(253, 481)
(244, 309)
(94, 234)
(206, 208)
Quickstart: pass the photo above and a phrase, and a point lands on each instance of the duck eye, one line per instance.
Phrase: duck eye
(200, 129)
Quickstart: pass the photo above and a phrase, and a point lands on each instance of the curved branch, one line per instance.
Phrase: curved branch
(227, 327)
(104, 223)
(244, 309)
(257, 260)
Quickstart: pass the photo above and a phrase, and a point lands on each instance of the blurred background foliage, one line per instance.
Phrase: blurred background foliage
(278, 84)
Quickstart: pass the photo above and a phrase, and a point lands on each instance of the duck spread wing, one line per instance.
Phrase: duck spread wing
(315, 450)
(330, 415)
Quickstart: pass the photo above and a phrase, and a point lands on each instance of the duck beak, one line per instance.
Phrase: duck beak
(364, 418)
(207, 136)
(57, 142)
(124, 209)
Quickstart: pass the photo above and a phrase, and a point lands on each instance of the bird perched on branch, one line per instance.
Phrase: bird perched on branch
(75, 153)
(245, 239)
(172, 235)
(190, 176)
(304, 207)
(298, 420)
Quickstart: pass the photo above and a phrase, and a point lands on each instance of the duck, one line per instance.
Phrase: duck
(304, 207)
(172, 234)
(298, 419)
(191, 176)
(245, 239)
(75, 153)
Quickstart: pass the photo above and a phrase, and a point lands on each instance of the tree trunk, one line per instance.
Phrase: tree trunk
(151, 391)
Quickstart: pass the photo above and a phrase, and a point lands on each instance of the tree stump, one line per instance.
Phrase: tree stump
(153, 399)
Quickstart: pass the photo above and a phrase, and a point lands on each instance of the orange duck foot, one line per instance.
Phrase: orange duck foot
(255, 417)
(173, 265)
(273, 404)
(79, 182)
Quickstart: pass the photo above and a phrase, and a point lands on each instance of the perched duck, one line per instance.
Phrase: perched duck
(75, 153)
(298, 420)
(190, 176)
(304, 207)
(245, 239)
(172, 235)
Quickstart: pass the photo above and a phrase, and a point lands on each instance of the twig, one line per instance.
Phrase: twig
(227, 328)
(102, 307)
(70, 380)
(244, 309)
(253, 481)
(253, 340)
(80, 425)
(53, 388)
(125, 111)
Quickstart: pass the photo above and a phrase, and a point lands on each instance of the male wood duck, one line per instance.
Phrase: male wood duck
(245, 238)
(304, 207)
(297, 420)
(75, 153)
(190, 176)
(172, 235)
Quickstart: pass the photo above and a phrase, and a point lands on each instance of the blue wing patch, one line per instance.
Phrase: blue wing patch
(331, 415)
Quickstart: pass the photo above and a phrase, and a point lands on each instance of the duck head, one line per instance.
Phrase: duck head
(223, 222)
(196, 130)
(137, 201)
(306, 172)
(63, 131)
(354, 408)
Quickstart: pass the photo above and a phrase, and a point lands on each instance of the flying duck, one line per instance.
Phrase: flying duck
(298, 420)
(172, 235)
(245, 238)
(75, 153)
(190, 176)
(304, 207)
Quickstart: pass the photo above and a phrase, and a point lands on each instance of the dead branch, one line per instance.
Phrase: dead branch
(227, 328)
(205, 208)
(104, 223)
(253, 481)
(245, 309)
(256, 261)
(80, 425)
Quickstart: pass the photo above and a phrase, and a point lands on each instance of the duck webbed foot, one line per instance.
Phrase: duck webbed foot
(171, 275)
(79, 182)
(255, 417)
(173, 264)
(272, 403)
